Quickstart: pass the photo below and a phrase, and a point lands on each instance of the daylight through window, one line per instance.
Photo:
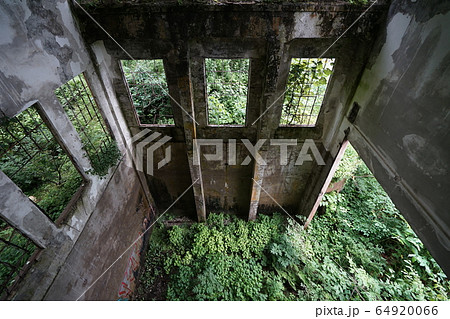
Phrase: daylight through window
(227, 87)
(306, 87)
(32, 158)
(81, 107)
(149, 91)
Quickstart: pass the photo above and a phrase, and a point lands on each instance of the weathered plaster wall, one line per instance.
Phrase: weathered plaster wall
(40, 37)
(114, 225)
(403, 127)
(41, 49)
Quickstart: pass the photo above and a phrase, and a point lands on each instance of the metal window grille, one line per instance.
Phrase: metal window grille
(227, 88)
(76, 98)
(147, 86)
(17, 254)
(32, 158)
(307, 83)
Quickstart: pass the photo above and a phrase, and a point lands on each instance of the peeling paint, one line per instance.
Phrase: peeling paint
(385, 63)
(62, 41)
(307, 25)
(7, 32)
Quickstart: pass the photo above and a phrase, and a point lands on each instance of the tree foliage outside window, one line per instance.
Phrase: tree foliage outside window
(15, 252)
(227, 87)
(306, 87)
(81, 107)
(149, 91)
(32, 158)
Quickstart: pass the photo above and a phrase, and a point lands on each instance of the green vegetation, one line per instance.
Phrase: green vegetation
(31, 157)
(226, 79)
(36, 163)
(81, 107)
(358, 248)
(307, 83)
(13, 256)
(227, 86)
(149, 91)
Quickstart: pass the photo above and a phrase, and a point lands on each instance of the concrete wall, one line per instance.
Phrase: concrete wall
(403, 127)
(269, 35)
(113, 227)
(41, 49)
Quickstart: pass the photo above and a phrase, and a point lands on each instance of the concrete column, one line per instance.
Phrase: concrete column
(102, 90)
(184, 85)
(271, 108)
(197, 68)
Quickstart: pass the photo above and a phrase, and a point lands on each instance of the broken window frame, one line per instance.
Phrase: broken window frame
(36, 107)
(247, 89)
(319, 92)
(164, 86)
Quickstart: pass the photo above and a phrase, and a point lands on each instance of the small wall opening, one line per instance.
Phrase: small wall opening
(77, 100)
(227, 89)
(306, 87)
(147, 86)
(32, 158)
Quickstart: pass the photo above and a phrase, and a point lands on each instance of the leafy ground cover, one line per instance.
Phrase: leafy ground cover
(358, 248)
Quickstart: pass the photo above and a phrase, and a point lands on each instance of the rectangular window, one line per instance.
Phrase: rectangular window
(81, 107)
(306, 87)
(32, 158)
(227, 87)
(16, 251)
(149, 92)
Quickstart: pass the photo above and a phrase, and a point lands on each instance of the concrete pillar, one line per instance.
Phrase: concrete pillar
(271, 108)
(184, 86)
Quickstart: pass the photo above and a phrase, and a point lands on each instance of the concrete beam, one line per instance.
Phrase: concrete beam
(325, 185)
(62, 128)
(22, 214)
(258, 177)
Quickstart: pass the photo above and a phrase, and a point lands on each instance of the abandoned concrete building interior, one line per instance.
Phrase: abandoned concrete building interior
(69, 73)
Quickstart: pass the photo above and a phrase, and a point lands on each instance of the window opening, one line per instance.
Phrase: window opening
(307, 83)
(227, 88)
(81, 107)
(32, 158)
(149, 91)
